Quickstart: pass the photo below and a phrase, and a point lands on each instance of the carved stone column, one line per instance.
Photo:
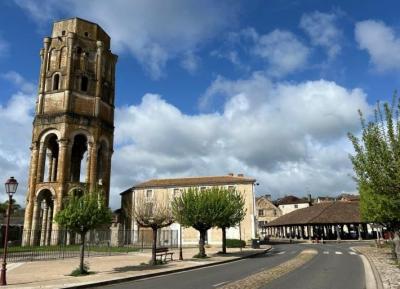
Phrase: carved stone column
(40, 166)
(49, 165)
(43, 230)
(49, 225)
(35, 224)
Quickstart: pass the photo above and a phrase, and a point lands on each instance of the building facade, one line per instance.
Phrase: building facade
(289, 204)
(164, 190)
(73, 128)
(266, 212)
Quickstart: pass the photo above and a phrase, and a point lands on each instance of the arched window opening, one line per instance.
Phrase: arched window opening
(56, 82)
(51, 159)
(79, 153)
(44, 218)
(101, 163)
(48, 162)
(84, 83)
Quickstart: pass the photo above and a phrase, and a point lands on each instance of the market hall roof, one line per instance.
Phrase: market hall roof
(339, 212)
(193, 181)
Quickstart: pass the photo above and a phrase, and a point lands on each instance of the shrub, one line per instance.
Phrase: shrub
(235, 243)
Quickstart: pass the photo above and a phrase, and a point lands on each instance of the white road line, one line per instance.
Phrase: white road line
(219, 284)
(353, 253)
(338, 253)
(326, 252)
(13, 266)
(280, 253)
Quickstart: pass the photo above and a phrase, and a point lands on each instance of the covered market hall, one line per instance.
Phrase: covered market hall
(323, 221)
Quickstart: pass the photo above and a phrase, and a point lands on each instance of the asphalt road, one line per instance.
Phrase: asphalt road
(335, 266)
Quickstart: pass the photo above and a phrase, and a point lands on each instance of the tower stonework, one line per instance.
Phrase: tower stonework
(72, 138)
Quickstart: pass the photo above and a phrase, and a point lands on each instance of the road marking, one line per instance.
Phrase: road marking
(13, 266)
(219, 284)
(326, 252)
(280, 253)
(353, 253)
(338, 253)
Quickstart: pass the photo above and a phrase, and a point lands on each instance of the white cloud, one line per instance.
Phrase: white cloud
(283, 51)
(290, 136)
(323, 31)
(381, 42)
(190, 62)
(4, 46)
(153, 31)
(15, 136)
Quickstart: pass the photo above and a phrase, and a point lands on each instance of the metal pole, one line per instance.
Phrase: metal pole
(240, 237)
(4, 265)
(180, 243)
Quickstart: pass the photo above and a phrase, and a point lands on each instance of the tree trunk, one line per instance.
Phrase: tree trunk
(396, 241)
(202, 250)
(82, 254)
(223, 240)
(154, 247)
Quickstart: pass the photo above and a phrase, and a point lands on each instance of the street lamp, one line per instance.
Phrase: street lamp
(180, 243)
(11, 188)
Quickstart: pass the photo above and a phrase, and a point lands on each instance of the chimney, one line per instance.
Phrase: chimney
(268, 197)
(240, 175)
(309, 199)
(230, 174)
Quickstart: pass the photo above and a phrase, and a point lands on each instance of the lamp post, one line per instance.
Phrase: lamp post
(11, 187)
(180, 243)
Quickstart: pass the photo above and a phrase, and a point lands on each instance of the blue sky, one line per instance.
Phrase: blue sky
(264, 88)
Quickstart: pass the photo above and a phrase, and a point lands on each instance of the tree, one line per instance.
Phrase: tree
(154, 215)
(82, 214)
(200, 210)
(376, 163)
(15, 207)
(233, 212)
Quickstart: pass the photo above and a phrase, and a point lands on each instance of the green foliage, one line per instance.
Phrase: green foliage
(235, 243)
(16, 208)
(377, 165)
(84, 213)
(233, 210)
(78, 272)
(198, 209)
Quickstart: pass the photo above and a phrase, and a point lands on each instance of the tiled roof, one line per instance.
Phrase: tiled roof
(193, 181)
(323, 213)
(291, 200)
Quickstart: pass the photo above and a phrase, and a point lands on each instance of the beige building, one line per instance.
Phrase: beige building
(266, 212)
(289, 204)
(164, 190)
(73, 129)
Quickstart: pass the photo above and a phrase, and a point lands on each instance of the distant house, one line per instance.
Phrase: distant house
(291, 203)
(324, 199)
(348, 198)
(164, 190)
(266, 212)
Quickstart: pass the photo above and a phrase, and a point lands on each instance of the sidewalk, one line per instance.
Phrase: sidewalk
(54, 273)
(382, 260)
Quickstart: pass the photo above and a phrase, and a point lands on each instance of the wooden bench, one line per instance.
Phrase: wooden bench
(164, 252)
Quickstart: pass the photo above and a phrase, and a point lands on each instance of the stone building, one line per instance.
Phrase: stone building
(289, 204)
(163, 190)
(72, 138)
(266, 212)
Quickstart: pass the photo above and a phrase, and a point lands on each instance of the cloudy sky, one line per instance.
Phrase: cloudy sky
(265, 88)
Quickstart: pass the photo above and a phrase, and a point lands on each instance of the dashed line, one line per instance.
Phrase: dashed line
(280, 253)
(338, 253)
(219, 284)
(353, 253)
(326, 252)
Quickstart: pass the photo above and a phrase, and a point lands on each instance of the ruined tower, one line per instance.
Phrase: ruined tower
(72, 139)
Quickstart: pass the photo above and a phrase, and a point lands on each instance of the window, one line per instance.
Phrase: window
(296, 206)
(176, 192)
(86, 34)
(56, 82)
(274, 212)
(261, 213)
(84, 83)
(149, 194)
(231, 188)
(63, 32)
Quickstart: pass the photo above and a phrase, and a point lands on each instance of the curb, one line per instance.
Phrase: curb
(139, 277)
(377, 276)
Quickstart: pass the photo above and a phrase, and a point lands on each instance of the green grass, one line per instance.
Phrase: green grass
(70, 248)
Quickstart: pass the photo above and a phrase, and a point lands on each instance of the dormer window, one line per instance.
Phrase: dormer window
(84, 83)
(56, 82)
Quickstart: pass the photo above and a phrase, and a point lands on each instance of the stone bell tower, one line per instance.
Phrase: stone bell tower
(72, 139)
